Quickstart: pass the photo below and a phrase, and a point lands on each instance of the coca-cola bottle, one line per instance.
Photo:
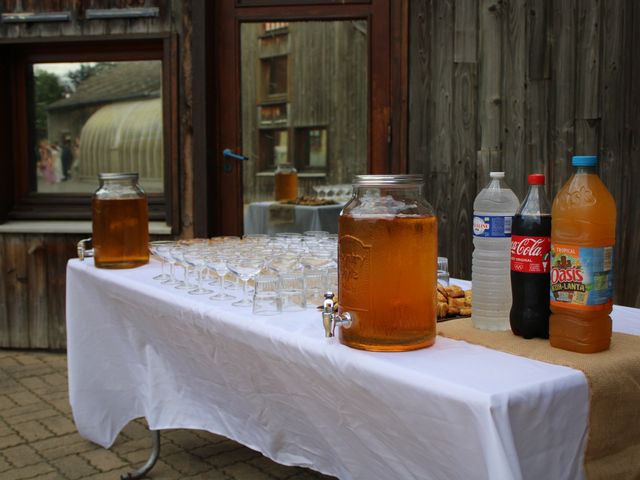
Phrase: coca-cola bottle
(530, 246)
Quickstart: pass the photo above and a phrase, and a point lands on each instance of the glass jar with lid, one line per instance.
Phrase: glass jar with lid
(120, 222)
(286, 182)
(387, 264)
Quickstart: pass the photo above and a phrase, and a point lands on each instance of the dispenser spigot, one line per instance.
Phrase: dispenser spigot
(330, 318)
(82, 249)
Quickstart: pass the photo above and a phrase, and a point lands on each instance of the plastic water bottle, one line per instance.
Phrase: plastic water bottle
(493, 211)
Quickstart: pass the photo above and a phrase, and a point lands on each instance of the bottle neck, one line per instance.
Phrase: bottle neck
(585, 170)
(536, 202)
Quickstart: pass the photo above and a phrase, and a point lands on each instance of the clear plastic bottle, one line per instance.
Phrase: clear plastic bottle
(583, 235)
(493, 208)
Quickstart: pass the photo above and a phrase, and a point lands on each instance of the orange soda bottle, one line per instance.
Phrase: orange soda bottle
(583, 234)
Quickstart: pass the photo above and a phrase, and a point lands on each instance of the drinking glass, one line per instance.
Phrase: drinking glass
(316, 264)
(216, 260)
(443, 271)
(291, 291)
(160, 249)
(195, 257)
(245, 266)
(167, 255)
(266, 300)
(177, 252)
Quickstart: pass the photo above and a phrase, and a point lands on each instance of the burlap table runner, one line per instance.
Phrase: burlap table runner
(613, 445)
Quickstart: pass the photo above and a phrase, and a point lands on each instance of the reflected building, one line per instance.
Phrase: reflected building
(116, 115)
(305, 102)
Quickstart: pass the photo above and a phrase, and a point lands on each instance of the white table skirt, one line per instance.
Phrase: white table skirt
(275, 384)
(306, 217)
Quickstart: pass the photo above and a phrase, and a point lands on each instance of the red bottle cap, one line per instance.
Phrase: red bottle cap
(536, 179)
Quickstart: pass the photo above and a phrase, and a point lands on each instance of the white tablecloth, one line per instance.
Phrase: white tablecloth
(305, 218)
(275, 384)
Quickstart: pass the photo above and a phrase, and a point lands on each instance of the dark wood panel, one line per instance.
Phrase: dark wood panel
(59, 248)
(38, 319)
(463, 183)
(420, 101)
(615, 53)
(514, 81)
(438, 181)
(563, 71)
(628, 288)
(16, 278)
(489, 91)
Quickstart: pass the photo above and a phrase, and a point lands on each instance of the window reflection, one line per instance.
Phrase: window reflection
(311, 147)
(273, 148)
(97, 117)
(304, 97)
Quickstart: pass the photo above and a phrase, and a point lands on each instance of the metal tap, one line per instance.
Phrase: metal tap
(330, 318)
(82, 249)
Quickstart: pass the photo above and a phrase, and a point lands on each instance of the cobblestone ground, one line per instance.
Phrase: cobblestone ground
(38, 439)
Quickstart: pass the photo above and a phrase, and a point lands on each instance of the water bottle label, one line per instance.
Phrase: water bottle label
(490, 226)
(530, 254)
(581, 277)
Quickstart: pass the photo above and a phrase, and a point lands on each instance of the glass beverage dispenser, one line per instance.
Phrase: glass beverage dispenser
(119, 223)
(387, 261)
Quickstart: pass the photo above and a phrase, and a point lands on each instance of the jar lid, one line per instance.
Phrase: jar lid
(118, 176)
(387, 180)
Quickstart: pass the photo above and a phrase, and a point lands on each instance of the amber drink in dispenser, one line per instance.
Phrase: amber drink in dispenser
(286, 182)
(120, 222)
(388, 264)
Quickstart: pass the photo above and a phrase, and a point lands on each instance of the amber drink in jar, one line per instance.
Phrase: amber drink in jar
(388, 249)
(286, 182)
(120, 222)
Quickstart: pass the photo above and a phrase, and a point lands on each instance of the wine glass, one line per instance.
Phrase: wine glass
(177, 252)
(195, 257)
(160, 249)
(245, 266)
(216, 260)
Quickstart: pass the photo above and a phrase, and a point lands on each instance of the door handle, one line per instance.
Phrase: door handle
(229, 154)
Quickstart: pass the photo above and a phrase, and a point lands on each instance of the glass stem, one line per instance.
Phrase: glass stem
(221, 277)
(244, 289)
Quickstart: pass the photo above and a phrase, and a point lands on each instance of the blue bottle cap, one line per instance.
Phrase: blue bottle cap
(584, 161)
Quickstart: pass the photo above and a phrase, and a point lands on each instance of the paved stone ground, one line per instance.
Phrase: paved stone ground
(38, 439)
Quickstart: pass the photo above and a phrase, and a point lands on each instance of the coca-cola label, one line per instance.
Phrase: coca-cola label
(581, 277)
(530, 254)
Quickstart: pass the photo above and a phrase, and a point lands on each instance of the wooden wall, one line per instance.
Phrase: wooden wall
(33, 267)
(521, 86)
(32, 289)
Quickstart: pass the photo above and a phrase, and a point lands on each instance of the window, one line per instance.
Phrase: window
(274, 74)
(273, 148)
(273, 114)
(311, 149)
(74, 109)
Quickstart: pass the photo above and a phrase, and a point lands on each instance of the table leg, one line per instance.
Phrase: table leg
(153, 457)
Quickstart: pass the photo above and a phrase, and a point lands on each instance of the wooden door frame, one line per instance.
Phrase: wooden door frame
(216, 75)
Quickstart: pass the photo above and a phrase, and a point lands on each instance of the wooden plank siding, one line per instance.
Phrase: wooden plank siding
(550, 79)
